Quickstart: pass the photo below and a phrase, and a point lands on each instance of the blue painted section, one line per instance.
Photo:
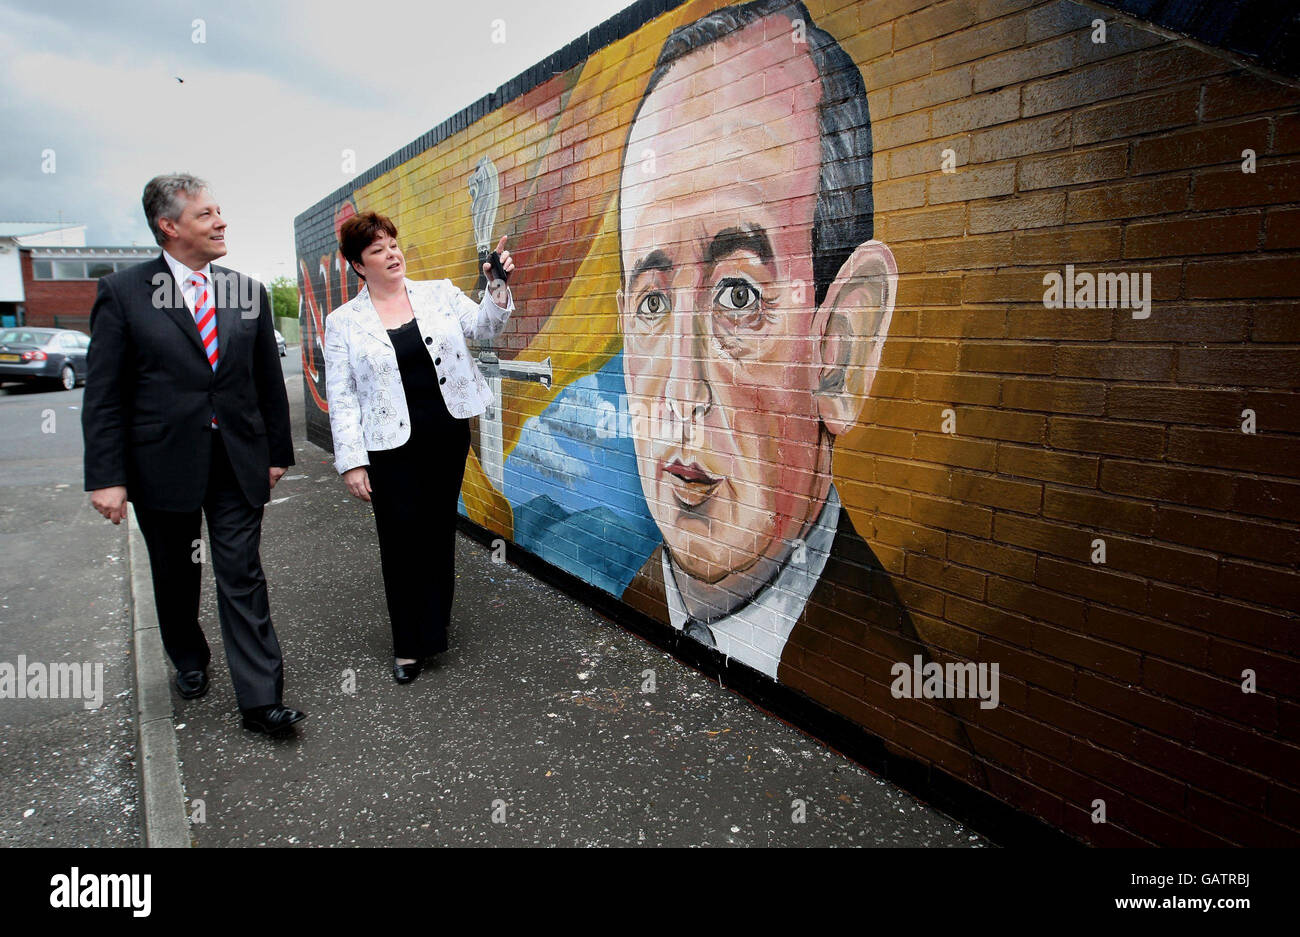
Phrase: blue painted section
(572, 483)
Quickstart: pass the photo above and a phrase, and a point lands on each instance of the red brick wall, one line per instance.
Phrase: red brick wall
(1121, 681)
(70, 300)
(1076, 424)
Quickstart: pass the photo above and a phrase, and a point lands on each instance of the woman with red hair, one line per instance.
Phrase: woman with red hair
(402, 387)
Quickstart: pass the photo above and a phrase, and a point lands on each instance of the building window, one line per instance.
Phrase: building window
(69, 270)
(79, 269)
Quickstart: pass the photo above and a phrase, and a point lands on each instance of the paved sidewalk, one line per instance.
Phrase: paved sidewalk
(532, 730)
(67, 772)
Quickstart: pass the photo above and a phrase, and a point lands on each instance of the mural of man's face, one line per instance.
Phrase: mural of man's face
(736, 380)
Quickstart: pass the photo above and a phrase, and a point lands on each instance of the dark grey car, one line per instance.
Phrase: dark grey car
(56, 357)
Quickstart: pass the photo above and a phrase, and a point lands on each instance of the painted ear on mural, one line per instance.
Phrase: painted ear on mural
(854, 323)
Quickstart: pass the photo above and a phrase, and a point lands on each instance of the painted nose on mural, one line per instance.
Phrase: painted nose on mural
(688, 393)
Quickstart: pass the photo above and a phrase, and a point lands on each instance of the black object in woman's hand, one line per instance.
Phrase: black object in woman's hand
(498, 271)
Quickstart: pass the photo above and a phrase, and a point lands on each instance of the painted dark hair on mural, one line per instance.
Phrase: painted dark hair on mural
(842, 218)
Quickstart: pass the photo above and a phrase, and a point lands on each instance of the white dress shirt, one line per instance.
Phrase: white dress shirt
(182, 274)
(190, 292)
(756, 633)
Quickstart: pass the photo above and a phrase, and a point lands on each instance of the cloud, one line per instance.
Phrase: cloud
(580, 414)
(539, 448)
(268, 103)
(583, 413)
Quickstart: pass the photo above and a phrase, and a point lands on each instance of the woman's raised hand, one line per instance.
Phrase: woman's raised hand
(358, 482)
(507, 262)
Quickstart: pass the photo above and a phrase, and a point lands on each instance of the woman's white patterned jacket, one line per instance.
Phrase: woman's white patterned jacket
(362, 380)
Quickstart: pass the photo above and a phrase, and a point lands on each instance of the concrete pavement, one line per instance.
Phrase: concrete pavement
(543, 725)
(538, 727)
(67, 773)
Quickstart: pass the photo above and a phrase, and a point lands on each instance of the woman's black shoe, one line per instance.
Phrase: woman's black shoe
(405, 673)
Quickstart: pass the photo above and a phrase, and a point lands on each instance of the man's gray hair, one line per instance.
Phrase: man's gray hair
(842, 218)
(162, 199)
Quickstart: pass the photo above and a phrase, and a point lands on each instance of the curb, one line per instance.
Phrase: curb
(161, 793)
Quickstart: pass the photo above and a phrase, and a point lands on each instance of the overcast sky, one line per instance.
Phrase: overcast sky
(268, 103)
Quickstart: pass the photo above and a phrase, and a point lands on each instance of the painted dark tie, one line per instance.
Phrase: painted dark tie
(700, 632)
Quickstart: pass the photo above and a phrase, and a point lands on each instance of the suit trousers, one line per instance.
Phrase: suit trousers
(235, 535)
(414, 490)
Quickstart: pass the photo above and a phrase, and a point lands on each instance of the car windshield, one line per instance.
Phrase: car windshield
(24, 337)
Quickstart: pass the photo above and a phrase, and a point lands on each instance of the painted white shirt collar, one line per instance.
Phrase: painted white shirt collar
(756, 633)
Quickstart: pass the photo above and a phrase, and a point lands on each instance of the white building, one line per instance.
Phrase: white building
(15, 235)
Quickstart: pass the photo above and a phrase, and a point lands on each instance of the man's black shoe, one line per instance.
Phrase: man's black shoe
(272, 720)
(191, 684)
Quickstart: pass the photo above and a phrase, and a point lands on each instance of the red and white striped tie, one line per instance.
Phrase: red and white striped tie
(205, 317)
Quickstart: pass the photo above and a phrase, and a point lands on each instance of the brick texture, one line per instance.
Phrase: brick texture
(1109, 513)
(62, 303)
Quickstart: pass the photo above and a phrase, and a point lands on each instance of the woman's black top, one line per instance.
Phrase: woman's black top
(429, 414)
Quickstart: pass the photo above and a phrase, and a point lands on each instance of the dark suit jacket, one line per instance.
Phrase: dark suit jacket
(853, 629)
(150, 392)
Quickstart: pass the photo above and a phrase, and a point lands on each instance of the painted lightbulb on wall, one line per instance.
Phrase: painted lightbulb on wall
(484, 199)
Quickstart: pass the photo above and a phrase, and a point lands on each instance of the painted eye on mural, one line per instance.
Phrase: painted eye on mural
(741, 303)
(736, 294)
(653, 306)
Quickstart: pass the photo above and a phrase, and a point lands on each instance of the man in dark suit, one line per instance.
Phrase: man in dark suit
(754, 310)
(845, 639)
(754, 306)
(185, 413)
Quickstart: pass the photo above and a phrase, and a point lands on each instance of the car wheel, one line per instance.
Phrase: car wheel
(68, 377)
